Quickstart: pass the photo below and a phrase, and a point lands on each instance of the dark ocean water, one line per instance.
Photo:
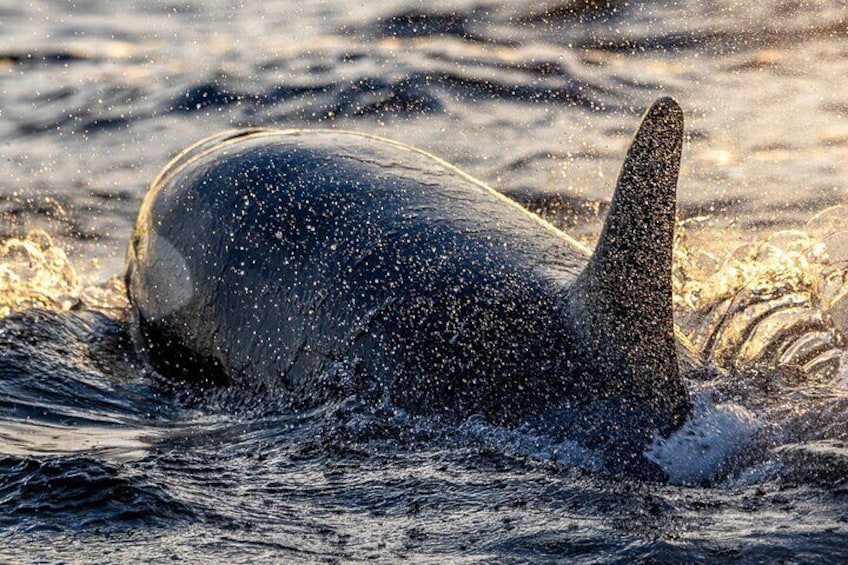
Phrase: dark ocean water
(103, 460)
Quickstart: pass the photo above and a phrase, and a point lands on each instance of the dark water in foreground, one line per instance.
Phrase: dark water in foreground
(103, 461)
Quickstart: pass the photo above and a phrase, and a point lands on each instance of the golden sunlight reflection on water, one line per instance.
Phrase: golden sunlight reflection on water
(777, 300)
(36, 273)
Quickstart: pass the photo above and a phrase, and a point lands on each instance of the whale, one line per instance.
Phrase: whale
(316, 265)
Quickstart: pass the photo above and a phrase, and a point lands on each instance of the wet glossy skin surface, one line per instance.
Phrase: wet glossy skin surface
(275, 258)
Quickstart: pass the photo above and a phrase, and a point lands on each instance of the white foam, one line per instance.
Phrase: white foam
(706, 444)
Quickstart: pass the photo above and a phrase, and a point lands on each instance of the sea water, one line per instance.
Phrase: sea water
(103, 460)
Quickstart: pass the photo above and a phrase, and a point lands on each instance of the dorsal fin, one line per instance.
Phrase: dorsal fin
(632, 259)
(623, 297)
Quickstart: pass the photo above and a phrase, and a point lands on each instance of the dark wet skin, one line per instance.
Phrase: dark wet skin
(278, 261)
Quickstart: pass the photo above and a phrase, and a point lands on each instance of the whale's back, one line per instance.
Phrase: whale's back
(291, 250)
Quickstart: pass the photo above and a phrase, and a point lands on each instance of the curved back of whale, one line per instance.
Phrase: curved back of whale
(270, 258)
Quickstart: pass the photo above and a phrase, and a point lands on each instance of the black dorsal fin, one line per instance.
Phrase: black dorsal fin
(633, 256)
(623, 297)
